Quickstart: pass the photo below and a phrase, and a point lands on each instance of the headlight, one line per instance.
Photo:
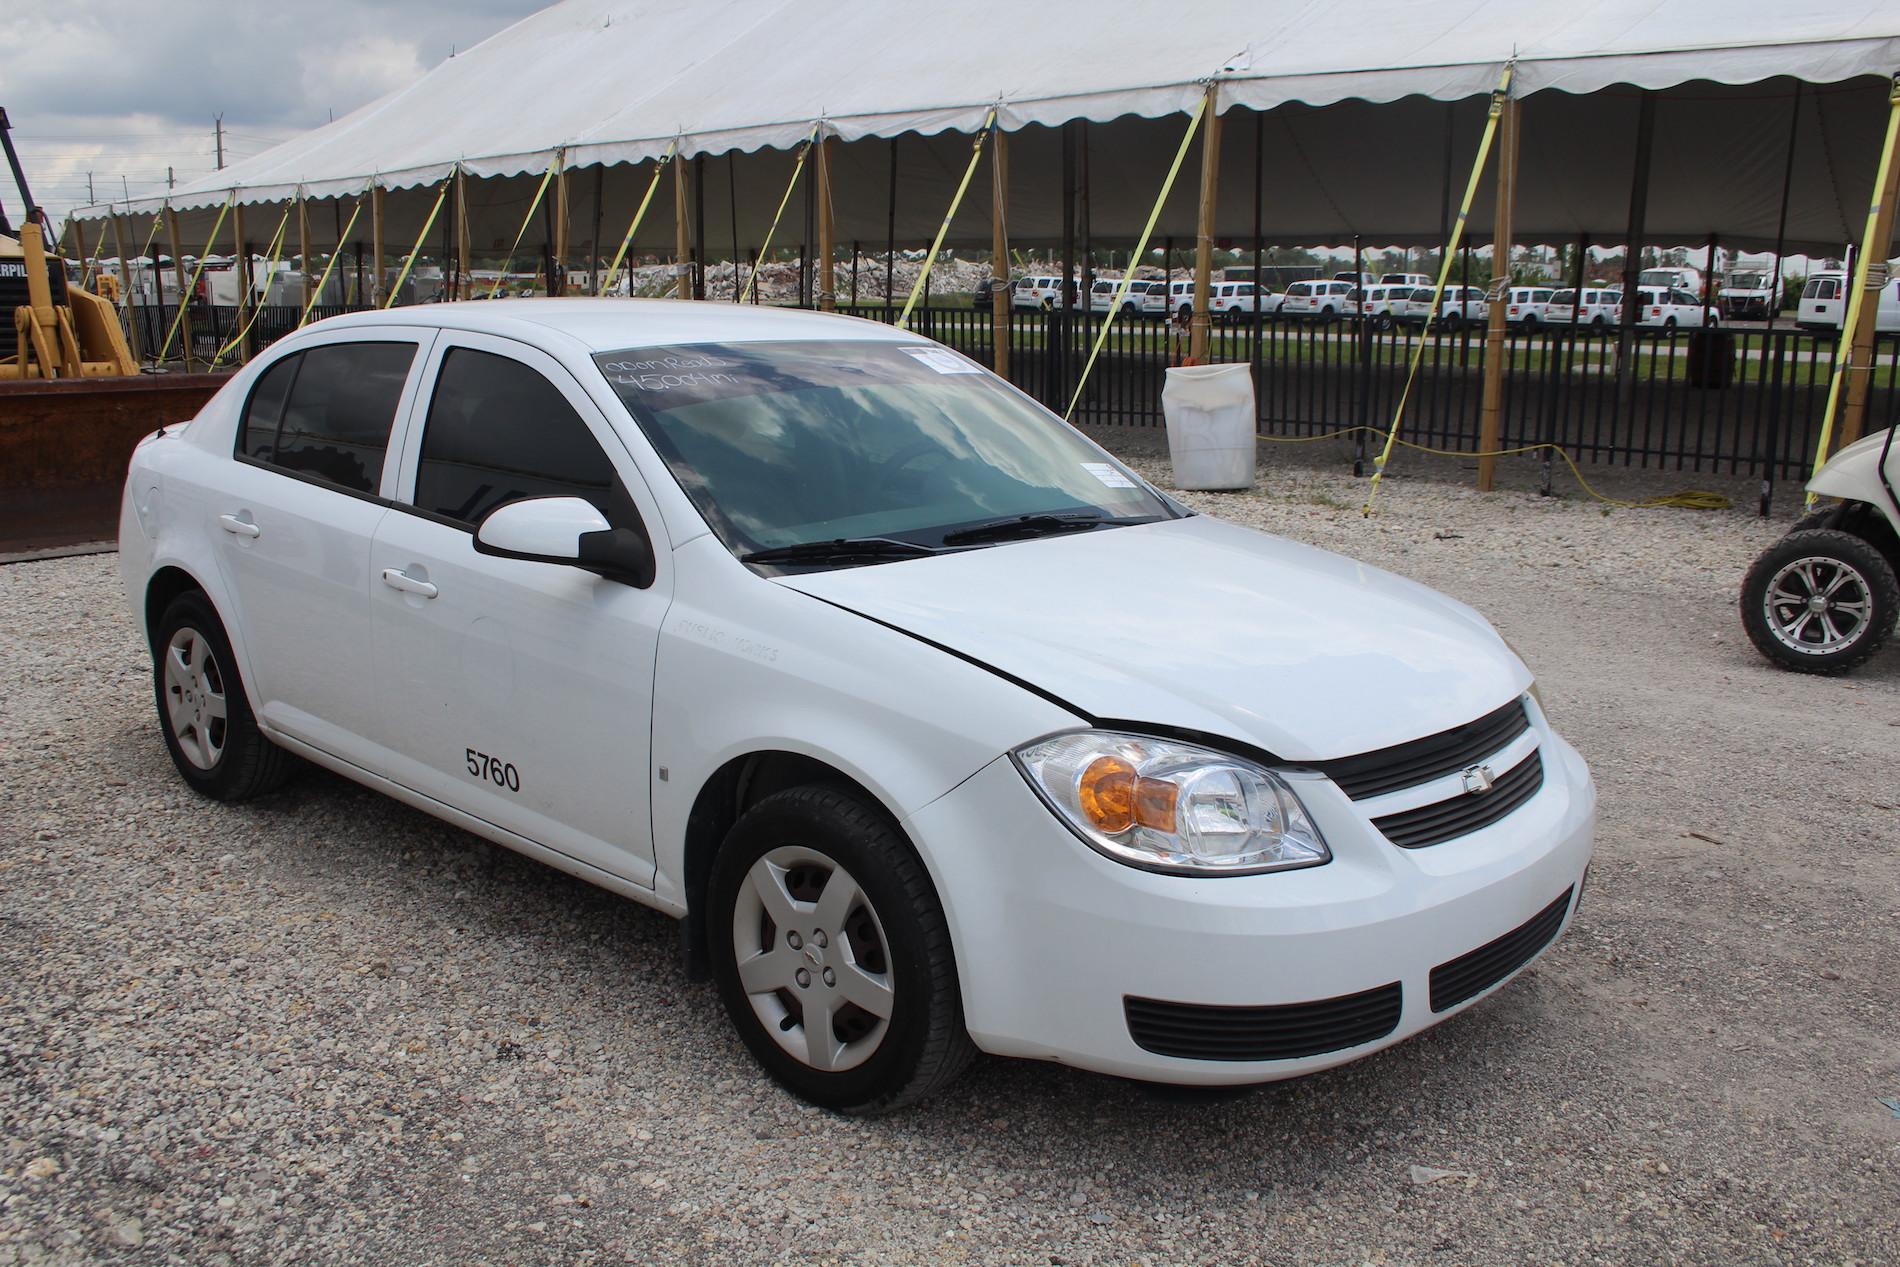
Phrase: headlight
(1170, 806)
(1534, 692)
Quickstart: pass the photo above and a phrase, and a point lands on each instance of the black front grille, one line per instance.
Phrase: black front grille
(1464, 813)
(1422, 760)
(1289, 1031)
(1473, 974)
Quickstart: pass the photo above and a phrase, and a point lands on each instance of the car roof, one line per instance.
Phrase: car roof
(606, 325)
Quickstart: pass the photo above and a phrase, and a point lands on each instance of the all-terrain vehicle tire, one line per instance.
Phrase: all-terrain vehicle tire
(1820, 601)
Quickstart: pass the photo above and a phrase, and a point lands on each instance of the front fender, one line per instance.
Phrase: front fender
(747, 665)
(1854, 475)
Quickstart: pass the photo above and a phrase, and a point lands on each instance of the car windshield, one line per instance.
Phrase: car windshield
(791, 443)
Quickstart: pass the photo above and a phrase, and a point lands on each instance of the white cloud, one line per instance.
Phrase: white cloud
(343, 77)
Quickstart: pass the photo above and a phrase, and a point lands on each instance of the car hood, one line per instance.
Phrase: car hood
(1200, 625)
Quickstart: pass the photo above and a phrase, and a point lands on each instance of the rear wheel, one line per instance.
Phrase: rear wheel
(202, 709)
(1820, 601)
(832, 954)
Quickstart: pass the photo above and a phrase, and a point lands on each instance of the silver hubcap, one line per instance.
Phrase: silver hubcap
(194, 698)
(1818, 605)
(812, 958)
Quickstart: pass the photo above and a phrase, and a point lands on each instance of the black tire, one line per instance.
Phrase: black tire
(1452, 321)
(246, 763)
(1669, 323)
(1870, 579)
(924, 1046)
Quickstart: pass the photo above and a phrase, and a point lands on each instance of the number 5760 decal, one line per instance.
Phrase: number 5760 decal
(500, 773)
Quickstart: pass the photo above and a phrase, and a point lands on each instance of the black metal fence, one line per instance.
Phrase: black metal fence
(1738, 402)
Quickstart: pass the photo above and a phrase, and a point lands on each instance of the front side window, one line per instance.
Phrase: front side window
(498, 432)
(794, 443)
(326, 412)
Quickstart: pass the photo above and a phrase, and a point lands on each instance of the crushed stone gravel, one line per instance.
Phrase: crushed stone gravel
(324, 1028)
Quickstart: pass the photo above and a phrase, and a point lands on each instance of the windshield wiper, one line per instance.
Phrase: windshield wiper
(1023, 526)
(839, 548)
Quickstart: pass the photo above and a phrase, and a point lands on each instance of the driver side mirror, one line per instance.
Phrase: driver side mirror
(567, 530)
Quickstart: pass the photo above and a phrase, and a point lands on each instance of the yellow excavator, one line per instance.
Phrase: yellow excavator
(49, 326)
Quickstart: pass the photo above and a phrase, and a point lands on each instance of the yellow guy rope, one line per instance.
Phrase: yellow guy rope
(1689, 499)
(311, 303)
(184, 300)
(525, 222)
(1869, 249)
(1141, 250)
(410, 263)
(639, 214)
(270, 266)
(976, 153)
(1444, 274)
(797, 167)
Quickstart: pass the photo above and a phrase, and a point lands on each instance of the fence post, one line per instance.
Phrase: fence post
(999, 252)
(1204, 232)
(1491, 415)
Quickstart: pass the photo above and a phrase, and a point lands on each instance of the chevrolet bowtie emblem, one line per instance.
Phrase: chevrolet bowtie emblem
(1479, 779)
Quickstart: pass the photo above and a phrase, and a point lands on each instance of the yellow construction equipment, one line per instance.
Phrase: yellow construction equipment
(50, 327)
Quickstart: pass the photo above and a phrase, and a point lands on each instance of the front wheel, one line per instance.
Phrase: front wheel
(832, 954)
(1820, 601)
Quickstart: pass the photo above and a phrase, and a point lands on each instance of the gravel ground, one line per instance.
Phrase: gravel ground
(323, 1028)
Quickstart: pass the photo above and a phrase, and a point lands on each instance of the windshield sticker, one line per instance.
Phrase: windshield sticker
(943, 362)
(1108, 475)
(669, 373)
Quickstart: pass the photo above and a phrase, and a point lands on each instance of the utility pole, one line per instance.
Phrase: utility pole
(91, 201)
(171, 179)
(219, 124)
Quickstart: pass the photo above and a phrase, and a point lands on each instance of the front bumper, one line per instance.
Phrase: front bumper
(1052, 938)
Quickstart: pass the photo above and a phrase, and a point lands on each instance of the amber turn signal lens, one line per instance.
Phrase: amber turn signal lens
(1107, 794)
(1114, 798)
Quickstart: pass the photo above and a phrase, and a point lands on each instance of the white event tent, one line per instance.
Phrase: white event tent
(1341, 118)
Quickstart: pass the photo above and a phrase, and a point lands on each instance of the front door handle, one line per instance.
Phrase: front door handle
(242, 527)
(398, 579)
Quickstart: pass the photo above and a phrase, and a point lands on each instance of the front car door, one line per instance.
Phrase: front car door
(516, 691)
(295, 518)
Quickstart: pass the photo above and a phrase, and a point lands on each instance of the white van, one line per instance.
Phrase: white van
(1686, 279)
(1824, 303)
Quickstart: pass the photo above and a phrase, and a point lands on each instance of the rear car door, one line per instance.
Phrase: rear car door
(517, 691)
(295, 521)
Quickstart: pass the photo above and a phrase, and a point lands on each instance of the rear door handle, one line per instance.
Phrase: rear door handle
(398, 579)
(242, 527)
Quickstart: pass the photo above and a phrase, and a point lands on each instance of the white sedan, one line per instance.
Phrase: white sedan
(821, 638)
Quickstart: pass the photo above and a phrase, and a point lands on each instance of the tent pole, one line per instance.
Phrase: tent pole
(999, 252)
(244, 280)
(464, 283)
(1633, 248)
(303, 249)
(125, 292)
(1204, 233)
(827, 242)
(1874, 250)
(854, 270)
(376, 248)
(557, 240)
(890, 237)
(682, 247)
(732, 211)
(178, 271)
(1787, 188)
(1491, 415)
(699, 226)
(593, 242)
(1087, 299)
(1065, 292)
(1259, 292)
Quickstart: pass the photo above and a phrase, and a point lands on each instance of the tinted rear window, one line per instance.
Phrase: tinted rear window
(333, 423)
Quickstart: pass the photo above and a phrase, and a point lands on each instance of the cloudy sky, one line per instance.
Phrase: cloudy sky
(125, 90)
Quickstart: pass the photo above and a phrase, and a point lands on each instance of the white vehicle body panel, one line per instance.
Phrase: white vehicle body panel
(1824, 306)
(916, 679)
(1855, 473)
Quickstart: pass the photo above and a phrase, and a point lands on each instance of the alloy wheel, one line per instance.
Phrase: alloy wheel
(1818, 605)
